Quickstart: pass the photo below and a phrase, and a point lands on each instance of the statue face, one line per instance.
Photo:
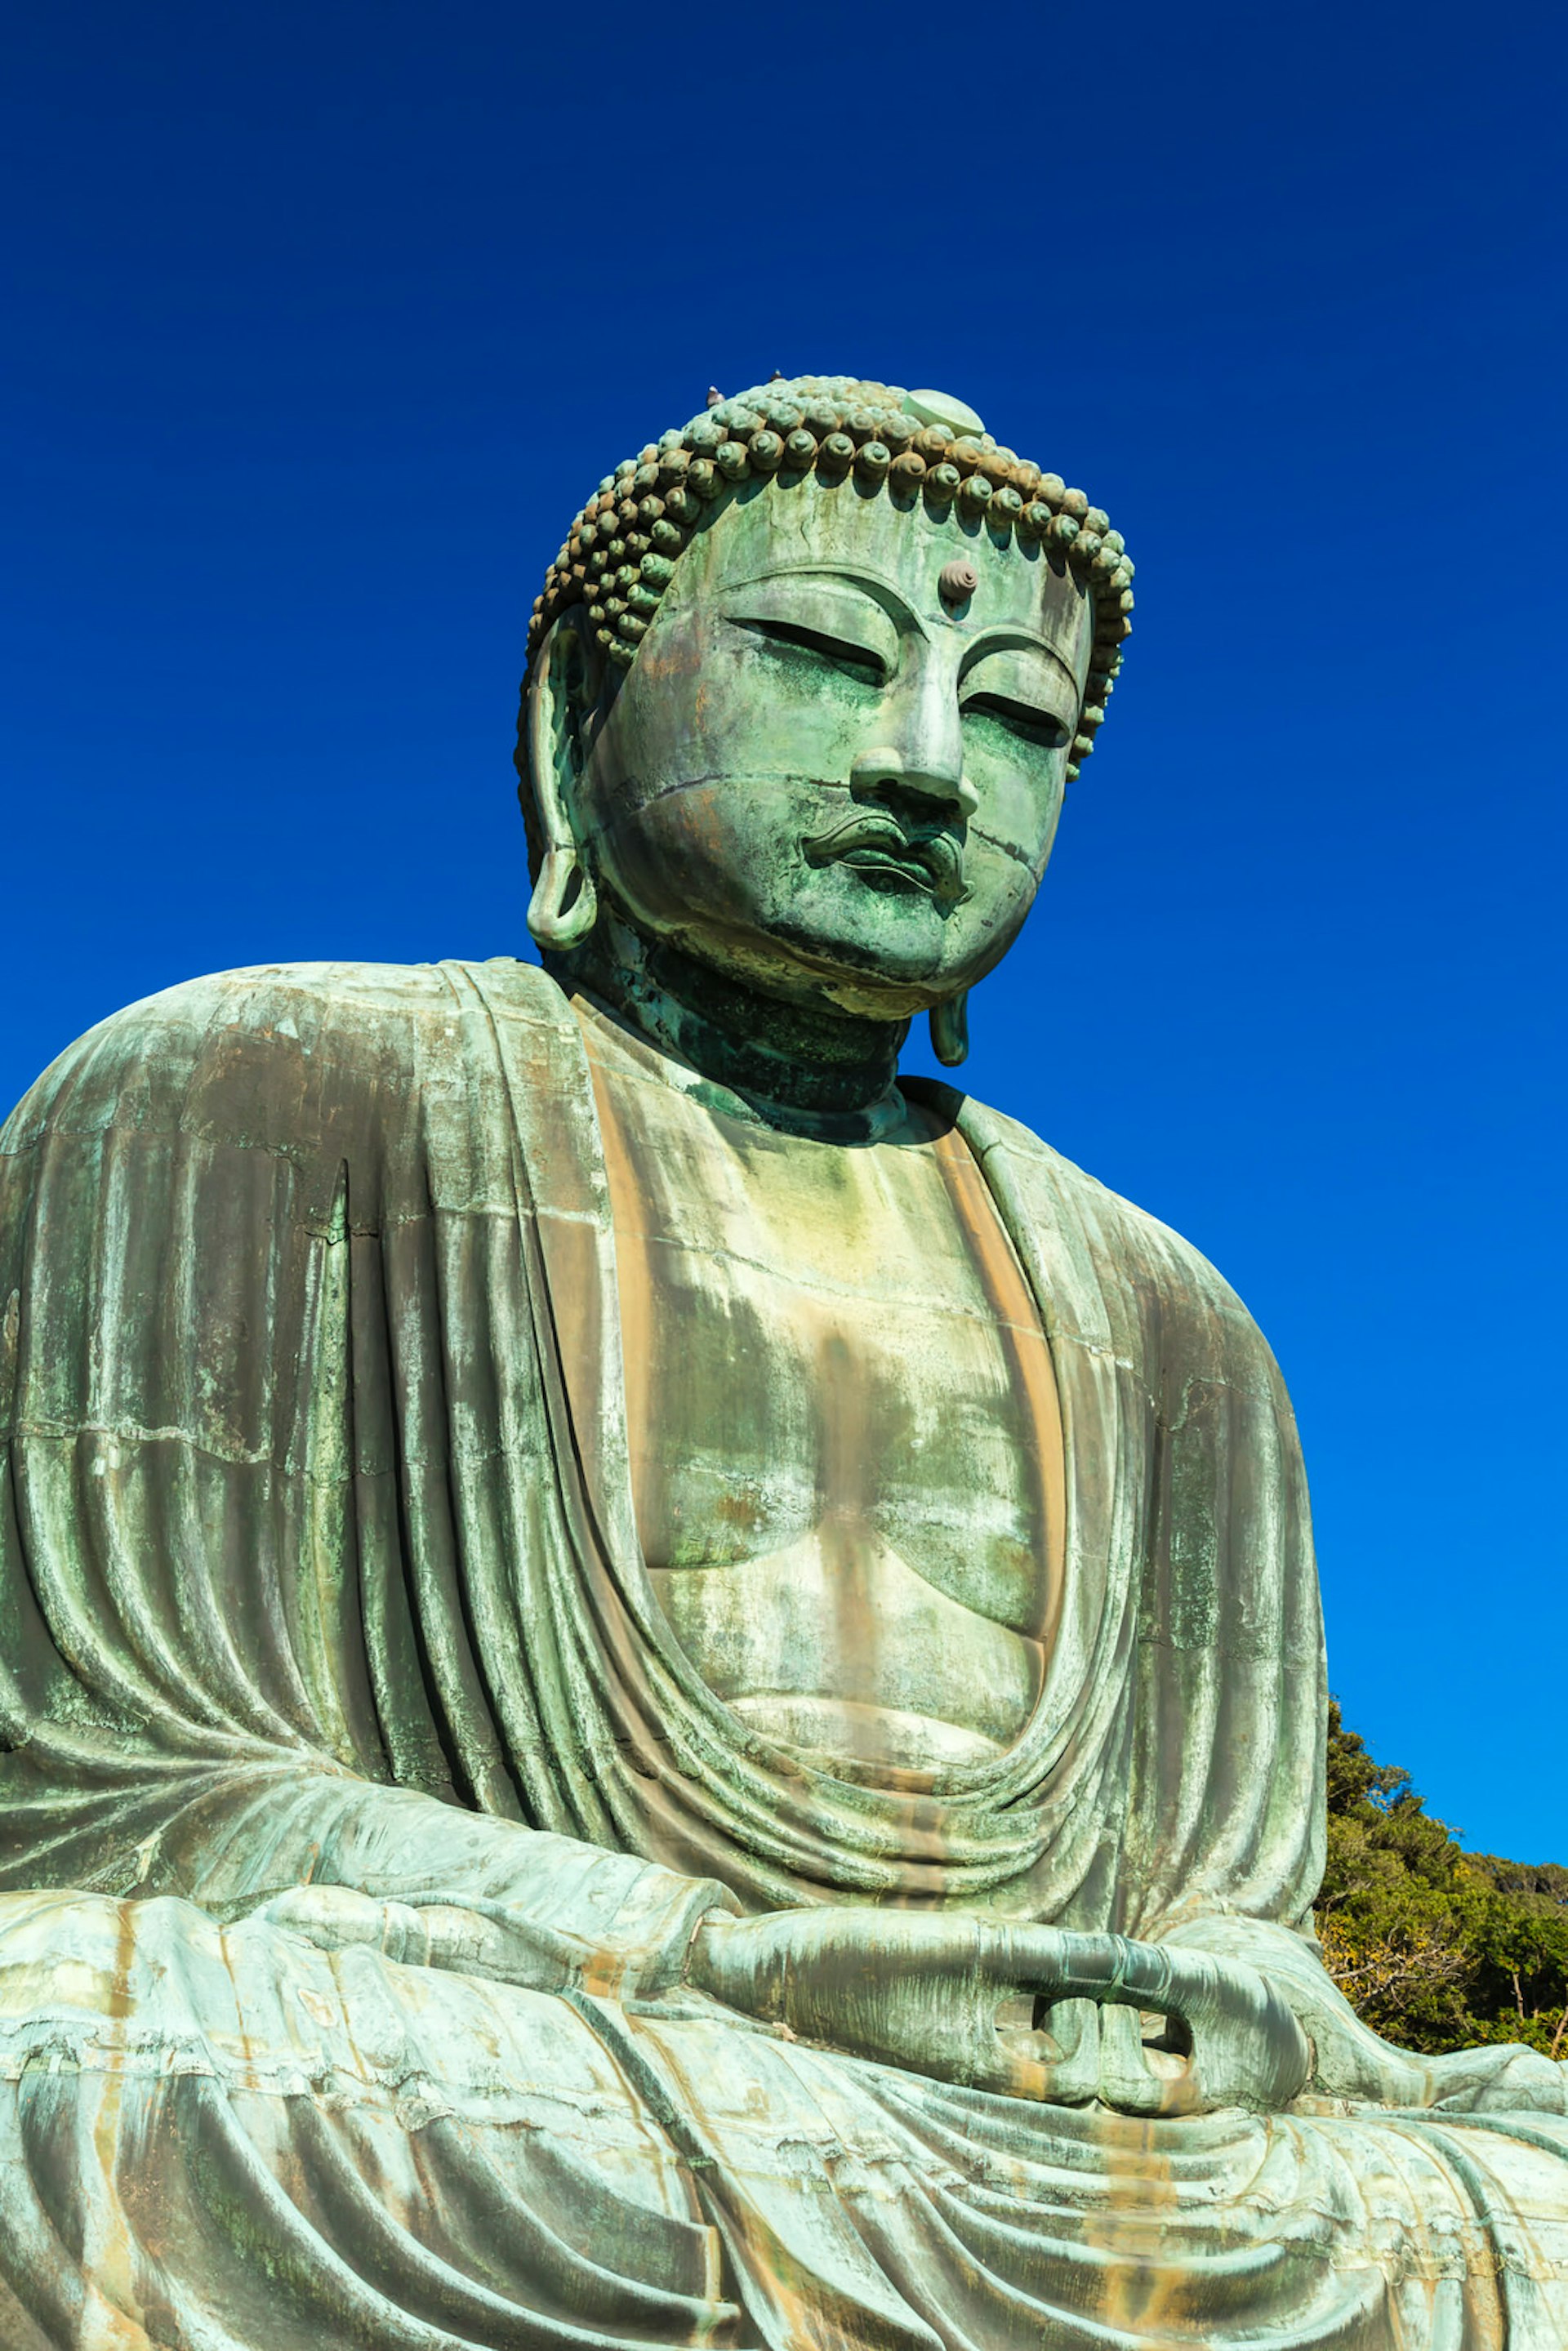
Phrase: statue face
(822, 775)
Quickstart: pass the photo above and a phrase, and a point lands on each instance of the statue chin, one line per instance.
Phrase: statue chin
(831, 938)
(658, 1688)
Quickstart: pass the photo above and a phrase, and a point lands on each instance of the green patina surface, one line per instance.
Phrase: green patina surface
(657, 1690)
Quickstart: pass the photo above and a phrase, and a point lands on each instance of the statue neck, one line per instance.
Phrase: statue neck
(798, 1066)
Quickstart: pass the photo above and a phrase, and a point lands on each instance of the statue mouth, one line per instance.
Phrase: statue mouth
(876, 845)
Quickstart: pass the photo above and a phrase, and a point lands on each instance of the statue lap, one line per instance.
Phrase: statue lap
(226, 2137)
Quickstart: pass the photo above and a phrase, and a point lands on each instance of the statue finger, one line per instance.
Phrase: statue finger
(1020, 2067)
(1127, 2081)
(332, 1916)
(1059, 1963)
(465, 1944)
(1051, 2051)
(1029, 1960)
(1069, 2033)
(339, 1919)
(1247, 2046)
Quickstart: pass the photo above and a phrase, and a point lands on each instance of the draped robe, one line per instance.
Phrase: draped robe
(319, 1564)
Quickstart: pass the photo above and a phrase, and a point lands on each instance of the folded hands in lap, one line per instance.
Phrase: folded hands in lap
(1030, 2011)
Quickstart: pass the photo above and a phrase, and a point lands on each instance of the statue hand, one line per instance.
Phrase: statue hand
(916, 1989)
(923, 1989)
(485, 1941)
(1245, 2046)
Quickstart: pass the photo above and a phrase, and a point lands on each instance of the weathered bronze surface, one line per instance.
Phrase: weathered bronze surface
(657, 1690)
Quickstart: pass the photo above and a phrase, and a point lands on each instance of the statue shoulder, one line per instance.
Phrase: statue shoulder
(277, 1052)
(1128, 1247)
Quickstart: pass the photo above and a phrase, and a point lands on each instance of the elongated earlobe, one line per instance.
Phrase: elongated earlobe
(950, 1030)
(565, 903)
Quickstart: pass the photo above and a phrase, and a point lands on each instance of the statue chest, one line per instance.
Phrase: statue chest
(845, 1443)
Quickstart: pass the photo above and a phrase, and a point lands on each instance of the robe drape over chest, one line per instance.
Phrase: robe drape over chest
(319, 1562)
(318, 1469)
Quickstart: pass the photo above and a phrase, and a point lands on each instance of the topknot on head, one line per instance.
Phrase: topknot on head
(621, 549)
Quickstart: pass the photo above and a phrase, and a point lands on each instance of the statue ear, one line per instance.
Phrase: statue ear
(565, 903)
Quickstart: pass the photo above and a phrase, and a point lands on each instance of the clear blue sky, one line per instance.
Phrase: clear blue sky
(322, 320)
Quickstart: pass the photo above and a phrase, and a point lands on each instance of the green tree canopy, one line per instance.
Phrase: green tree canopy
(1437, 1949)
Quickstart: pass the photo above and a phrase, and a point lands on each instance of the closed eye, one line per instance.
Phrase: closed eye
(853, 660)
(1020, 718)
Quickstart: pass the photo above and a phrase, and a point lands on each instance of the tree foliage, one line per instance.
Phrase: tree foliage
(1437, 1949)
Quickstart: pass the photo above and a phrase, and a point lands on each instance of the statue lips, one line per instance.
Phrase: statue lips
(877, 846)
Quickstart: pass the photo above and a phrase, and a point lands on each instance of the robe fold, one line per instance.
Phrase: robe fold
(318, 1564)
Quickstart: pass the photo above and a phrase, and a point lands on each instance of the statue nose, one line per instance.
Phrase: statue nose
(933, 786)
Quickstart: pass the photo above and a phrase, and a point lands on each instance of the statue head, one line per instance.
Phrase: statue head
(806, 684)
